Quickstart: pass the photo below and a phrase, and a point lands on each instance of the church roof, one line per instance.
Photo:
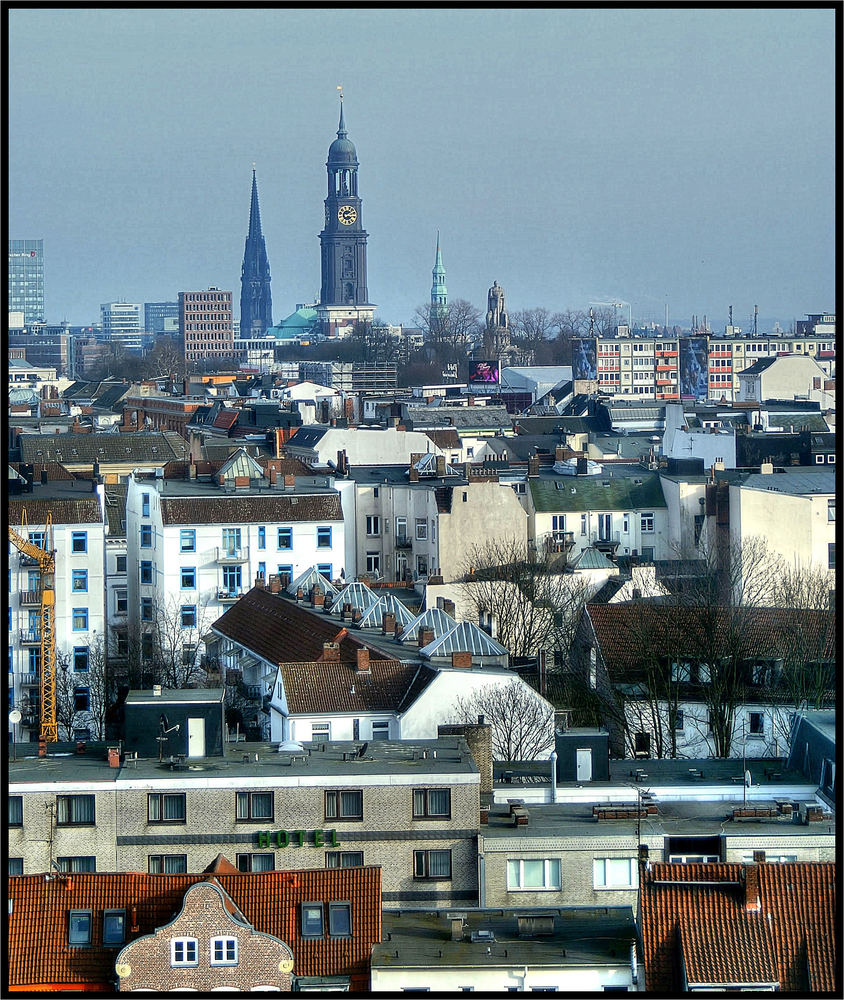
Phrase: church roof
(342, 150)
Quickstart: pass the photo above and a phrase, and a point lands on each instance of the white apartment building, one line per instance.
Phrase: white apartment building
(78, 538)
(123, 323)
(195, 546)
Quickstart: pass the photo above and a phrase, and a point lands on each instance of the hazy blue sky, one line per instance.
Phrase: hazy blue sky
(682, 156)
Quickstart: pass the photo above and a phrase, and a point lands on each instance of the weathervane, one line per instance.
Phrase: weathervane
(340, 88)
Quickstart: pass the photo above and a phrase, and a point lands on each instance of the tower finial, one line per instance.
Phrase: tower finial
(341, 129)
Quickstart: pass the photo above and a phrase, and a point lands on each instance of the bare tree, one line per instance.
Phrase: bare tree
(532, 327)
(166, 358)
(522, 723)
(84, 697)
(176, 643)
(450, 333)
(535, 604)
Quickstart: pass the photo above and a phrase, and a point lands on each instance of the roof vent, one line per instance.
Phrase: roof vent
(484, 937)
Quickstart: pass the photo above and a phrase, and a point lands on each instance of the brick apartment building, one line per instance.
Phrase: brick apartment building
(206, 328)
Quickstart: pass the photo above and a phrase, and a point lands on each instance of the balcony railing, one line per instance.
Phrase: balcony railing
(230, 554)
(26, 560)
(28, 679)
(30, 636)
(28, 598)
(561, 541)
(403, 542)
(224, 594)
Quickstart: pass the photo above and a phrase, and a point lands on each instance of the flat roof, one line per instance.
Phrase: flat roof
(181, 696)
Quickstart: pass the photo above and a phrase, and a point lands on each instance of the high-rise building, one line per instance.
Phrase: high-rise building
(205, 326)
(157, 313)
(121, 323)
(26, 279)
(439, 293)
(256, 304)
(344, 298)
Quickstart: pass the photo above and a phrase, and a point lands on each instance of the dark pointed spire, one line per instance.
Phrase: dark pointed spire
(341, 128)
(254, 210)
(255, 296)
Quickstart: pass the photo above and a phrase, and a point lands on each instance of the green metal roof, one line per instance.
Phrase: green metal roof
(593, 559)
(578, 493)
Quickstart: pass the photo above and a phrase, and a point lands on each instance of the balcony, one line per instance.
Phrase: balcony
(30, 598)
(561, 541)
(226, 596)
(230, 555)
(28, 679)
(26, 560)
(30, 637)
(403, 542)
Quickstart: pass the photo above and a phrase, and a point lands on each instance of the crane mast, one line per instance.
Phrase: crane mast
(47, 603)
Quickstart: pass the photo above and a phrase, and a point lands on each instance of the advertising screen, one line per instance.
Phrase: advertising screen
(484, 372)
(583, 354)
(693, 368)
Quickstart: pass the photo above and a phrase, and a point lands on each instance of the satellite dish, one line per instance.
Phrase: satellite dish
(14, 716)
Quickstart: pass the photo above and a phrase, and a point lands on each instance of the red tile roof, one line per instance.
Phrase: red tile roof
(39, 956)
(389, 686)
(624, 630)
(698, 912)
(281, 631)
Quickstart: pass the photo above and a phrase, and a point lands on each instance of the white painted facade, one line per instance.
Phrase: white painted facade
(503, 976)
(363, 446)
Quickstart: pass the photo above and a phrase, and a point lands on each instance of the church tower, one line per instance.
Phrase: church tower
(344, 298)
(439, 293)
(256, 306)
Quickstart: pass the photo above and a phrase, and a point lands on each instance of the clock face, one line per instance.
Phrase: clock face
(347, 214)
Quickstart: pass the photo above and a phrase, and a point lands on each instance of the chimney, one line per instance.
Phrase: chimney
(317, 597)
(413, 475)
(43, 477)
(440, 459)
(349, 409)
(156, 690)
(192, 470)
(114, 756)
(330, 652)
(388, 623)
(259, 581)
(273, 477)
(362, 665)
(559, 453)
(279, 440)
(275, 583)
(346, 611)
(456, 926)
(342, 463)
(767, 468)
(448, 607)
(289, 482)
(533, 466)
(426, 635)
(752, 902)
(470, 401)
(581, 464)
(462, 660)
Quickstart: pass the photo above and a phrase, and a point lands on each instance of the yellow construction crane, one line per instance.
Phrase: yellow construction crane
(45, 558)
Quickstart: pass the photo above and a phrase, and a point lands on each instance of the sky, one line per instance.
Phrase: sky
(662, 157)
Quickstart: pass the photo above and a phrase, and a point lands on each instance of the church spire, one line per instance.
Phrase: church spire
(255, 298)
(439, 292)
(341, 128)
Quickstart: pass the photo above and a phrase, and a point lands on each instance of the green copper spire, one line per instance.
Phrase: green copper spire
(439, 292)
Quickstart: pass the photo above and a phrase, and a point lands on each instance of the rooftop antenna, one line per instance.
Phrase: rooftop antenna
(755, 316)
(731, 315)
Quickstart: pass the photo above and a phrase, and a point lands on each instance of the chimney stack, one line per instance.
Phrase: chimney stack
(330, 652)
(426, 635)
(440, 460)
(752, 901)
(462, 660)
(448, 607)
(362, 664)
(388, 623)
(533, 466)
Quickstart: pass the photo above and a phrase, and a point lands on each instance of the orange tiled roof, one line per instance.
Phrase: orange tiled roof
(39, 956)
(699, 911)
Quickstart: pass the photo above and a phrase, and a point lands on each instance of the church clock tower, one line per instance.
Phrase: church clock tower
(344, 298)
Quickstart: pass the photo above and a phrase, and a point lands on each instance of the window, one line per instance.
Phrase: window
(583, 524)
(325, 570)
(15, 810)
(262, 570)
(78, 541)
(323, 538)
(285, 538)
(223, 951)
(146, 536)
(15, 866)
(285, 571)
(80, 619)
(432, 864)
(421, 528)
(121, 601)
(421, 565)
(166, 807)
(401, 528)
(679, 721)
(756, 723)
(340, 919)
(530, 873)
(146, 609)
(380, 731)
(347, 805)
(558, 522)
(255, 862)
(642, 744)
(254, 805)
(262, 537)
(114, 927)
(647, 522)
(312, 920)
(830, 510)
(626, 524)
(146, 571)
(831, 555)
(232, 578)
(188, 616)
(614, 873)
(79, 928)
(183, 951)
(431, 803)
(145, 505)
(80, 658)
(373, 524)
(80, 699)
(167, 864)
(373, 562)
(343, 859)
(77, 864)
(187, 540)
(79, 581)
(189, 577)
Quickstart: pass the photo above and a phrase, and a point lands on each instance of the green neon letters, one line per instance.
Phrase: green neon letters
(298, 838)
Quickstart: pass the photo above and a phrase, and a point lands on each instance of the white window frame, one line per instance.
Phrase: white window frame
(421, 529)
(373, 525)
(599, 874)
(184, 944)
(226, 942)
(373, 562)
(549, 884)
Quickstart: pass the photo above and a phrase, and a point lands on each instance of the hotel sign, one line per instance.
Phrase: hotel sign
(297, 838)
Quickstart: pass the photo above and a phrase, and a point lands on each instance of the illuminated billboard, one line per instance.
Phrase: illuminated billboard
(484, 373)
(693, 368)
(583, 355)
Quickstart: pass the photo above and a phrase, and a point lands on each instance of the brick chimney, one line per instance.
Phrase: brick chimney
(752, 902)
(426, 635)
(463, 660)
(346, 611)
(275, 584)
(448, 607)
(273, 477)
(533, 466)
(413, 474)
(289, 482)
(559, 453)
(259, 581)
(440, 460)
(317, 597)
(330, 652)
(362, 664)
(388, 623)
